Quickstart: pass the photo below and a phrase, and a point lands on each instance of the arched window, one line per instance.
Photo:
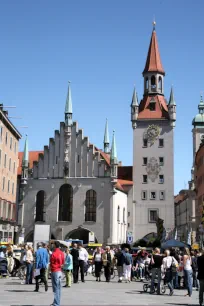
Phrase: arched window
(118, 214)
(146, 83)
(153, 82)
(40, 202)
(160, 83)
(90, 206)
(123, 215)
(65, 203)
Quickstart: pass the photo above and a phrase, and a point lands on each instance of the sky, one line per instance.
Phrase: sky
(101, 47)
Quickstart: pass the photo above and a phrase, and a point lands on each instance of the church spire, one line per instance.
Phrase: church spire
(201, 105)
(171, 99)
(153, 62)
(106, 141)
(172, 108)
(68, 108)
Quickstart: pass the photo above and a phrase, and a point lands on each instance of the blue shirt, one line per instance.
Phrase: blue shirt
(41, 259)
(68, 265)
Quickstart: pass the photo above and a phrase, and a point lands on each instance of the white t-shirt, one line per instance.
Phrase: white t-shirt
(167, 262)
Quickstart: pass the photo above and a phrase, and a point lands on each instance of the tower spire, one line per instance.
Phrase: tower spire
(153, 62)
(25, 154)
(172, 108)
(171, 99)
(106, 141)
(68, 107)
(134, 109)
(25, 164)
(114, 158)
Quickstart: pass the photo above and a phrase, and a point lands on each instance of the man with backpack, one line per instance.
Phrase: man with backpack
(127, 266)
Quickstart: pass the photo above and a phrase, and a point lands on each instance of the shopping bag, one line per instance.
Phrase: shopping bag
(36, 272)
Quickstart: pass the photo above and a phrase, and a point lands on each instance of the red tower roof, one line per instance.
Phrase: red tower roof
(153, 62)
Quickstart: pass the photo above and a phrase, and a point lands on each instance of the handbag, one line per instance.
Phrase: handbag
(174, 265)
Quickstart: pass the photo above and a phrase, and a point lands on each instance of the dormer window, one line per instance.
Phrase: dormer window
(146, 84)
(160, 84)
(152, 106)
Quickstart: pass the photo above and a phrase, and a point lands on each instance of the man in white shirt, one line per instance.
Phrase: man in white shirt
(168, 263)
(83, 259)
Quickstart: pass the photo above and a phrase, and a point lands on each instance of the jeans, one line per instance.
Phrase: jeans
(56, 287)
(195, 282)
(156, 272)
(29, 273)
(81, 266)
(201, 291)
(120, 272)
(141, 272)
(169, 277)
(68, 274)
(175, 280)
(188, 281)
(42, 277)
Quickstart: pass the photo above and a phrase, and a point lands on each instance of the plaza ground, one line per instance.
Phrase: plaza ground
(12, 293)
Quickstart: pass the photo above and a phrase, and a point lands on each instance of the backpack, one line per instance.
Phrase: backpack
(127, 260)
(174, 265)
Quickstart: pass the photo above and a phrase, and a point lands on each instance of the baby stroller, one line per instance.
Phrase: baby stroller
(3, 267)
(147, 286)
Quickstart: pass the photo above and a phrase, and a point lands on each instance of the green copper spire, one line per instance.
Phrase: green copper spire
(171, 99)
(198, 121)
(68, 108)
(106, 141)
(25, 154)
(201, 105)
(134, 98)
(113, 157)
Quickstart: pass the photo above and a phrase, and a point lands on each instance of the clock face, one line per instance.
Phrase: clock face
(152, 133)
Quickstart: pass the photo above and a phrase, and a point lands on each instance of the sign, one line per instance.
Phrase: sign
(129, 237)
(91, 237)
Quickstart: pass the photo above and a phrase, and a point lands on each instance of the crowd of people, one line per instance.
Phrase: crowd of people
(176, 269)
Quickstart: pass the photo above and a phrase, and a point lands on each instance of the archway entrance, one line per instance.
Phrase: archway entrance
(81, 234)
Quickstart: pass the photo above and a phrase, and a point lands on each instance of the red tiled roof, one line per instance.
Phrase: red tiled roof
(105, 156)
(161, 109)
(180, 198)
(33, 156)
(153, 62)
(125, 173)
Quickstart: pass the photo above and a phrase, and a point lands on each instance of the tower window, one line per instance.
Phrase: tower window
(161, 142)
(152, 106)
(153, 195)
(160, 84)
(145, 179)
(153, 83)
(162, 195)
(153, 215)
(161, 179)
(161, 161)
(144, 143)
(144, 161)
(144, 194)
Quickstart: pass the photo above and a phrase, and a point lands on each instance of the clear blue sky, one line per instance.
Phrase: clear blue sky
(101, 46)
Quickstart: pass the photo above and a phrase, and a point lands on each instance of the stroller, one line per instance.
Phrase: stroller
(3, 267)
(147, 286)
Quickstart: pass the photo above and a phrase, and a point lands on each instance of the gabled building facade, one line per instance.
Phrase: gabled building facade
(73, 186)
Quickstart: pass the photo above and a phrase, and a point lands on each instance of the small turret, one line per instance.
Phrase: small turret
(134, 109)
(25, 163)
(106, 141)
(67, 131)
(198, 121)
(172, 108)
(114, 159)
(68, 108)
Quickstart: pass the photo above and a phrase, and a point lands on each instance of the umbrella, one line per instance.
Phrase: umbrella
(172, 243)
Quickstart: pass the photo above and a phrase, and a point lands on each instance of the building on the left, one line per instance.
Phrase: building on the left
(9, 140)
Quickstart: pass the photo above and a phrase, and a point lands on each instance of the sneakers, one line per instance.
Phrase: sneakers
(171, 293)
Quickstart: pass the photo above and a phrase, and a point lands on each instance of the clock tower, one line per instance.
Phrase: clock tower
(153, 122)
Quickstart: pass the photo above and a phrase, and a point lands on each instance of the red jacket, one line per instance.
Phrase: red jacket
(56, 260)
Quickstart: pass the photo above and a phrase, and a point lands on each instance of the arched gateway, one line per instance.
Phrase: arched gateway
(81, 234)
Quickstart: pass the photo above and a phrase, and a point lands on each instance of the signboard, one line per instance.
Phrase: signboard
(91, 237)
(129, 237)
(41, 234)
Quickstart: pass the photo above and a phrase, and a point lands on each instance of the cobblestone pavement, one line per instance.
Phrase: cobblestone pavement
(12, 293)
